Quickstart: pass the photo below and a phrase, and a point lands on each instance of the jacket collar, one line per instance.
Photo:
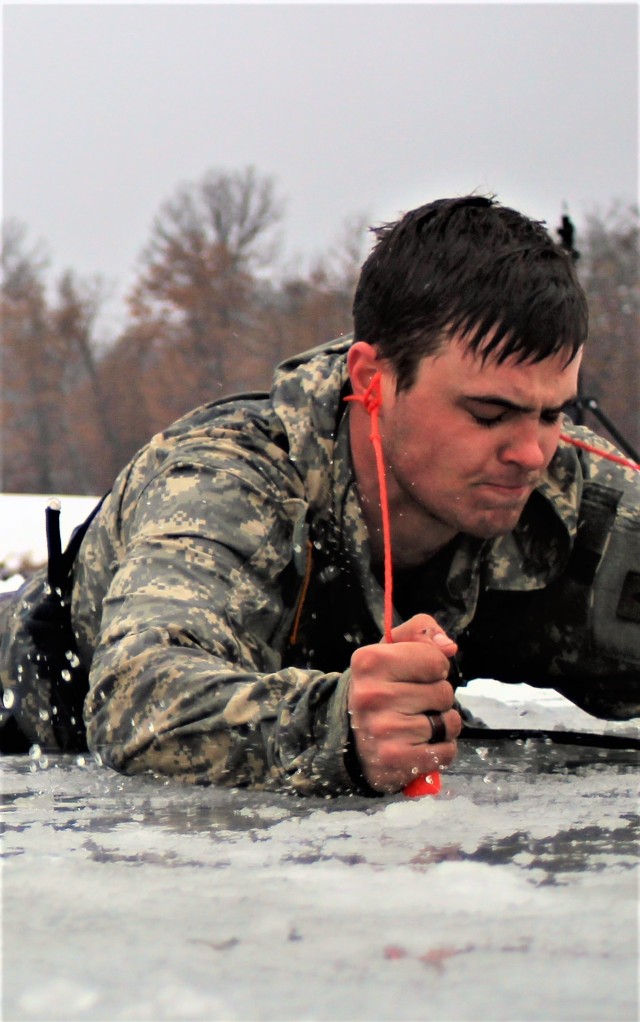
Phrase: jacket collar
(539, 547)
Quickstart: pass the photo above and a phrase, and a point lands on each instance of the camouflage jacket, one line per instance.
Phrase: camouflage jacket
(220, 591)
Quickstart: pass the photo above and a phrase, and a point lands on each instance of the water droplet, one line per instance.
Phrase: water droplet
(43, 714)
(35, 751)
(8, 699)
(65, 675)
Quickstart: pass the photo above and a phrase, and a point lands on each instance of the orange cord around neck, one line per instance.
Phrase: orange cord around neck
(617, 458)
(372, 402)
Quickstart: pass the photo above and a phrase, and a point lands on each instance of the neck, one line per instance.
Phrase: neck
(416, 536)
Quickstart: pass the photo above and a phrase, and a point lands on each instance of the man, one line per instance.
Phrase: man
(230, 595)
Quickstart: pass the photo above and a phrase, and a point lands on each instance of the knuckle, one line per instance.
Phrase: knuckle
(364, 660)
(388, 756)
(449, 694)
(422, 621)
(378, 729)
(437, 697)
(454, 723)
(364, 698)
(448, 752)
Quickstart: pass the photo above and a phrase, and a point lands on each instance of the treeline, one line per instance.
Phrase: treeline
(210, 313)
(608, 266)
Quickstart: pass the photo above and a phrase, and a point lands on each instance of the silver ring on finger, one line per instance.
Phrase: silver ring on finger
(438, 728)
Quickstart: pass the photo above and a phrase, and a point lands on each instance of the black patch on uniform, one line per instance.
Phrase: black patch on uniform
(629, 603)
(583, 564)
(597, 515)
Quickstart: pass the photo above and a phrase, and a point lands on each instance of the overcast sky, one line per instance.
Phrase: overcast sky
(371, 108)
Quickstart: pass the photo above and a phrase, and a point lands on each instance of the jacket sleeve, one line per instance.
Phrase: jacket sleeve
(187, 676)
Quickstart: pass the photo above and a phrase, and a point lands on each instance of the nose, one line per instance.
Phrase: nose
(525, 447)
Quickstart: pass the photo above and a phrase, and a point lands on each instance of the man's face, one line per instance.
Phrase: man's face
(469, 441)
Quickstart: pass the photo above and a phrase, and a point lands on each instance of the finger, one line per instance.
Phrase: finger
(424, 628)
(442, 727)
(404, 731)
(431, 727)
(402, 699)
(400, 661)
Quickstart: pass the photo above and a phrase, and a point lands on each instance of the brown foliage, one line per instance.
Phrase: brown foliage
(609, 271)
(209, 315)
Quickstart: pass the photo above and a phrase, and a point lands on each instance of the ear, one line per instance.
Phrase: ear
(362, 362)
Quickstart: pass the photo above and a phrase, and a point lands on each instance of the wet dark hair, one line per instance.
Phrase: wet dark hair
(473, 267)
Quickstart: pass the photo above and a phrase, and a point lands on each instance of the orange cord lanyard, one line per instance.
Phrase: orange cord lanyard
(617, 458)
(372, 401)
(431, 783)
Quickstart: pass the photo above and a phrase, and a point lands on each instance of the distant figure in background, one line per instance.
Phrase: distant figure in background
(220, 619)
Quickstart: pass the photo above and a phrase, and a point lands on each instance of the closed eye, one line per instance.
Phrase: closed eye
(549, 417)
(552, 416)
(488, 420)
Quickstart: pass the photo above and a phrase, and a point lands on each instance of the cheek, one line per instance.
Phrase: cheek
(549, 442)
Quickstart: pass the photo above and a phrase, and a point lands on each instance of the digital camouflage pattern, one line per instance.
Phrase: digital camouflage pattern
(226, 580)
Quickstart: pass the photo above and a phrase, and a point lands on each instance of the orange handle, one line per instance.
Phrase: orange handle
(429, 784)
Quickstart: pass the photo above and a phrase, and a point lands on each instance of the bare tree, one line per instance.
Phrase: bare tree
(305, 310)
(609, 270)
(30, 368)
(197, 276)
(90, 425)
(56, 429)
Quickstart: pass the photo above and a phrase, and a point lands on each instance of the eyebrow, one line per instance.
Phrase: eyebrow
(503, 402)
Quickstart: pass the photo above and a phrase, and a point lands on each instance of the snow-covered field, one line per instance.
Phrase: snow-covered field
(513, 895)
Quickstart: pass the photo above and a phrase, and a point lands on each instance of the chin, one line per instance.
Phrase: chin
(498, 525)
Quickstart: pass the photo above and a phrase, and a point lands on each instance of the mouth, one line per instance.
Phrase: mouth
(508, 491)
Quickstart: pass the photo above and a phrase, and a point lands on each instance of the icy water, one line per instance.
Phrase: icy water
(512, 895)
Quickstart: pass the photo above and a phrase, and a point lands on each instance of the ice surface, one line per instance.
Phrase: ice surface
(513, 895)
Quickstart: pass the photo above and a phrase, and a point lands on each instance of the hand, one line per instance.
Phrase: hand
(392, 687)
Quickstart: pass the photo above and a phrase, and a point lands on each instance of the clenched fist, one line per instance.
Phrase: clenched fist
(392, 689)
